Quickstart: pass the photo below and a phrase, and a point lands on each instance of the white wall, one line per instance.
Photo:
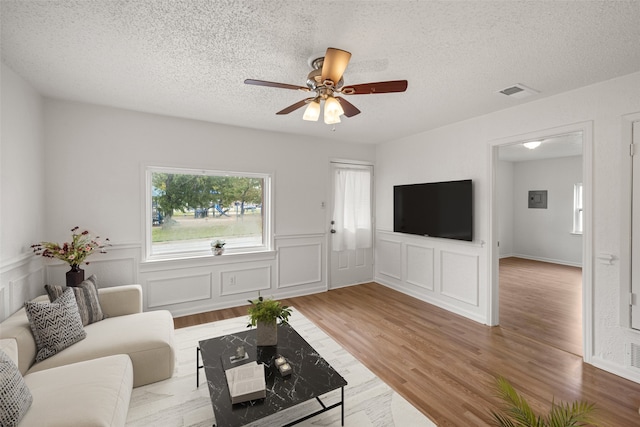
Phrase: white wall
(504, 184)
(462, 150)
(540, 234)
(96, 157)
(545, 234)
(448, 273)
(66, 164)
(22, 206)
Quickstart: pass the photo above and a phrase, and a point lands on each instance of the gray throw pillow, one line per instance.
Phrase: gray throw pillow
(55, 325)
(86, 294)
(15, 397)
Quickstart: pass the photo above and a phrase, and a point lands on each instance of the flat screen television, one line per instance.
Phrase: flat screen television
(434, 209)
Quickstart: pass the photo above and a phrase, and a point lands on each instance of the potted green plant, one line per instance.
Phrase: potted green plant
(217, 247)
(264, 314)
(517, 411)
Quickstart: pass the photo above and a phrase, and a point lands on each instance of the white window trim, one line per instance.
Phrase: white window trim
(267, 229)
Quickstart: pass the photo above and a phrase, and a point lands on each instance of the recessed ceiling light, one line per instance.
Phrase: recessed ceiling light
(532, 144)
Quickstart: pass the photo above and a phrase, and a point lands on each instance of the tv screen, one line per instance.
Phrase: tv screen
(435, 209)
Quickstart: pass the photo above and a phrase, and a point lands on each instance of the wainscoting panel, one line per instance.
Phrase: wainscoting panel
(300, 261)
(111, 272)
(21, 279)
(234, 282)
(20, 292)
(4, 312)
(459, 276)
(420, 266)
(178, 290)
(389, 258)
(25, 288)
(116, 267)
(447, 273)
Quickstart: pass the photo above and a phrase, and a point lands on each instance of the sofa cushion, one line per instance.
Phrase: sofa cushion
(10, 348)
(148, 338)
(55, 325)
(86, 294)
(93, 393)
(15, 397)
(17, 327)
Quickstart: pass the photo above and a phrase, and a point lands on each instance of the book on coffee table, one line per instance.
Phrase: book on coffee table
(246, 382)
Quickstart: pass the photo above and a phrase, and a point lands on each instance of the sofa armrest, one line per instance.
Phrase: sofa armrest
(121, 300)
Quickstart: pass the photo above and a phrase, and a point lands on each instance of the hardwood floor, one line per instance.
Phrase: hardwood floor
(542, 301)
(446, 365)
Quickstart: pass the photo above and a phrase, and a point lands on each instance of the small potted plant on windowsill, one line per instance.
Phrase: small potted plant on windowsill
(264, 313)
(217, 247)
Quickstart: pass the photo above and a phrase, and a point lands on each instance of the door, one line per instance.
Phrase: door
(351, 232)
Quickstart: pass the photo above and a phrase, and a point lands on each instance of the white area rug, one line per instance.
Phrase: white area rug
(178, 402)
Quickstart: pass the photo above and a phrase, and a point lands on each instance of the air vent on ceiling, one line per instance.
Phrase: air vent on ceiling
(518, 91)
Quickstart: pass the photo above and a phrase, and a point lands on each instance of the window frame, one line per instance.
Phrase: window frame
(267, 214)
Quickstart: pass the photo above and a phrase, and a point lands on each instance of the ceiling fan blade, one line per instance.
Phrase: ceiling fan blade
(294, 107)
(334, 64)
(274, 84)
(349, 109)
(379, 87)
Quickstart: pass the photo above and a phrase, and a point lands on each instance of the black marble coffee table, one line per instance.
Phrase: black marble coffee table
(312, 376)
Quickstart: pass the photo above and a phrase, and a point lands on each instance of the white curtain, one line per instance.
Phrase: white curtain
(352, 209)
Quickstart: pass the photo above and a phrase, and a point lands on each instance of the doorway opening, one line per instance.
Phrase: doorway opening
(540, 268)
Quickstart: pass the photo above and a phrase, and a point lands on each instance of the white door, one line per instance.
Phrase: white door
(351, 238)
(635, 229)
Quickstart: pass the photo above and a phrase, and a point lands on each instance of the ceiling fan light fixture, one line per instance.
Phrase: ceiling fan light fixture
(332, 107)
(332, 111)
(326, 81)
(312, 112)
(532, 144)
(331, 119)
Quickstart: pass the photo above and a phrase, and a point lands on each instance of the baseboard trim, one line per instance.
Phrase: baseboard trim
(616, 369)
(542, 259)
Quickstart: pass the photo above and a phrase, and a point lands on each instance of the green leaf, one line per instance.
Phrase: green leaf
(518, 413)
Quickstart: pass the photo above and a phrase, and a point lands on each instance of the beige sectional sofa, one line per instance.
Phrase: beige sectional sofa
(90, 382)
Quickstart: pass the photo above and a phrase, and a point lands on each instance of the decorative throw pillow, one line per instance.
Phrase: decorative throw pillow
(55, 325)
(86, 294)
(15, 397)
(54, 291)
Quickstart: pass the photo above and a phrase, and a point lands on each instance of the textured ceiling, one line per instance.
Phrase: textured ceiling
(190, 58)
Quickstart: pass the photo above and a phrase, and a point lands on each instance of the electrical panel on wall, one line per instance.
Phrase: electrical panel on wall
(538, 199)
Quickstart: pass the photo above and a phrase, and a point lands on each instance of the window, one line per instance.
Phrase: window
(577, 209)
(188, 210)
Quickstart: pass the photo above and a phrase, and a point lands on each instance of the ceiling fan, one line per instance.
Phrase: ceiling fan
(326, 81)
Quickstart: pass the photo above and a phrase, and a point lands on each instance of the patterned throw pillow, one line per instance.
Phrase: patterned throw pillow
(55, 325)
(15, 397)
(86, 297)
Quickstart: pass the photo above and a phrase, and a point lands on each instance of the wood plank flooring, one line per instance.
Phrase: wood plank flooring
(446, 365)
(542, 301)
